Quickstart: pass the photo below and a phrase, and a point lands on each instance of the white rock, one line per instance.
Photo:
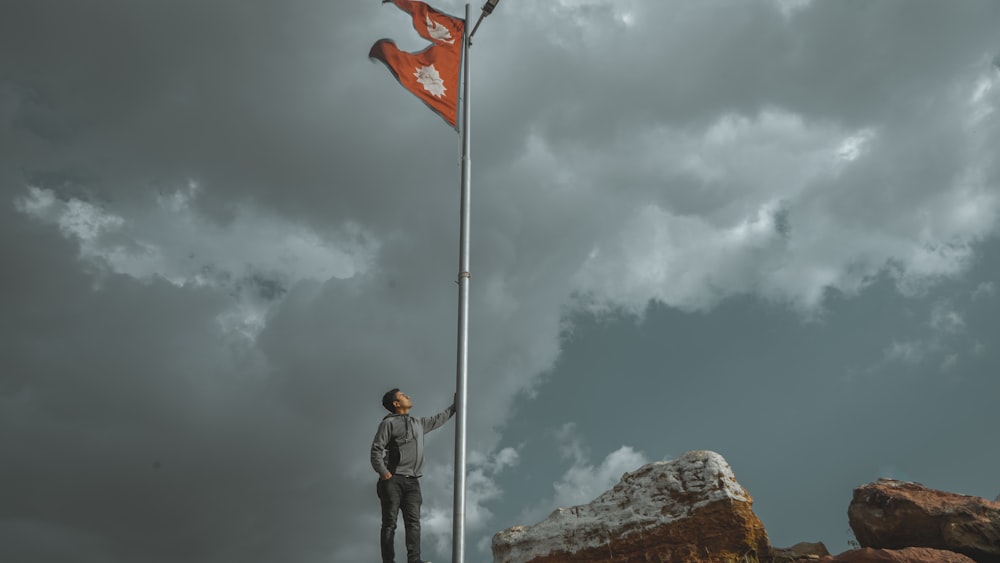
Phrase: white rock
(657, 493)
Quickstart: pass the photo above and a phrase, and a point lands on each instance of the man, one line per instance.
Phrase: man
(397, 456)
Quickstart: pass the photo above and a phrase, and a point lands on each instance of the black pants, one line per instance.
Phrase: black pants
(400, 493)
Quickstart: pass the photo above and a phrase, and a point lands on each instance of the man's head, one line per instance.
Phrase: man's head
(396, 401)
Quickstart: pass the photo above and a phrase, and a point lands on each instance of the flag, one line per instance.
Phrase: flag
(432, 74)
(431, 24)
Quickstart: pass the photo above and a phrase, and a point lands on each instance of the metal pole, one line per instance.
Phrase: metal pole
(461, 394)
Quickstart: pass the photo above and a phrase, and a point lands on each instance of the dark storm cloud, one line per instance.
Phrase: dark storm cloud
(226, 233)
(135, 432)
(250, 97)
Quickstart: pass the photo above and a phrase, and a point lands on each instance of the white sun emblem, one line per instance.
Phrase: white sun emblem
(429, 77)
(438, 32)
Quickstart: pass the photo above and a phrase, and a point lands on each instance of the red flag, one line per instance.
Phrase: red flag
(432, 24)
(432, 74)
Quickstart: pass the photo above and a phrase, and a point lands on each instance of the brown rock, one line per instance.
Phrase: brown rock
(804, 551)
(908, 555)
(894, 514)
(690, 509)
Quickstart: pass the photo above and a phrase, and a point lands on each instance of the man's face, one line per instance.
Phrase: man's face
(403, 401)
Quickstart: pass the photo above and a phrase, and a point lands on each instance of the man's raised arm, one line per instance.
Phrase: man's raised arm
(431, 422)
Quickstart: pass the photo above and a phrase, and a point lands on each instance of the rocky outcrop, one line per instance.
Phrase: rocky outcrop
(692, 510)
(689, 509)
(908, 555)
(894, 514)
(802, 551)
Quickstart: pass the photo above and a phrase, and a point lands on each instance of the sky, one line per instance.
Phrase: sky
(766, 228)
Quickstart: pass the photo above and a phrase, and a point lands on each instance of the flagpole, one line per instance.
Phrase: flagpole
(461, 394)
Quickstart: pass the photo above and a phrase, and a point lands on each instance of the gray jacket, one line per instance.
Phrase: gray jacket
(398, 446)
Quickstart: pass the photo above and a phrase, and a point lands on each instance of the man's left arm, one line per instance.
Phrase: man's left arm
(432, 422)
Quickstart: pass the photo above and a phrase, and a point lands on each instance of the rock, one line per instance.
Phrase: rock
(804, 551)
(690, 509)
(894, 514)
(908, 555)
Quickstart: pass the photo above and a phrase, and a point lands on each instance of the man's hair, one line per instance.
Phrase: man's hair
(388, 398)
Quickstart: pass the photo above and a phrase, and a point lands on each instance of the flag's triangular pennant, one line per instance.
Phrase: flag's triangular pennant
(433, 25)
(432, 74)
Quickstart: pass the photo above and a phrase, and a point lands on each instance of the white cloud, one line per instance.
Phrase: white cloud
(481, 488)
(911, 352)
(74, 218)
(503, 459)
(782, 206)
(855, 145)
(583, 481)
(984, 290)
(944, 331)
(256, 257)
(946, 319)
(985, 96)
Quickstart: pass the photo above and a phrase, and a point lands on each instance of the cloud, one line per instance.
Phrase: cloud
(906, 352)
(984, 290)
(254, 256)
(943, 338)
(481, 490)
(244, 170)
(788, 232)
(583, 481)
(946, 319)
